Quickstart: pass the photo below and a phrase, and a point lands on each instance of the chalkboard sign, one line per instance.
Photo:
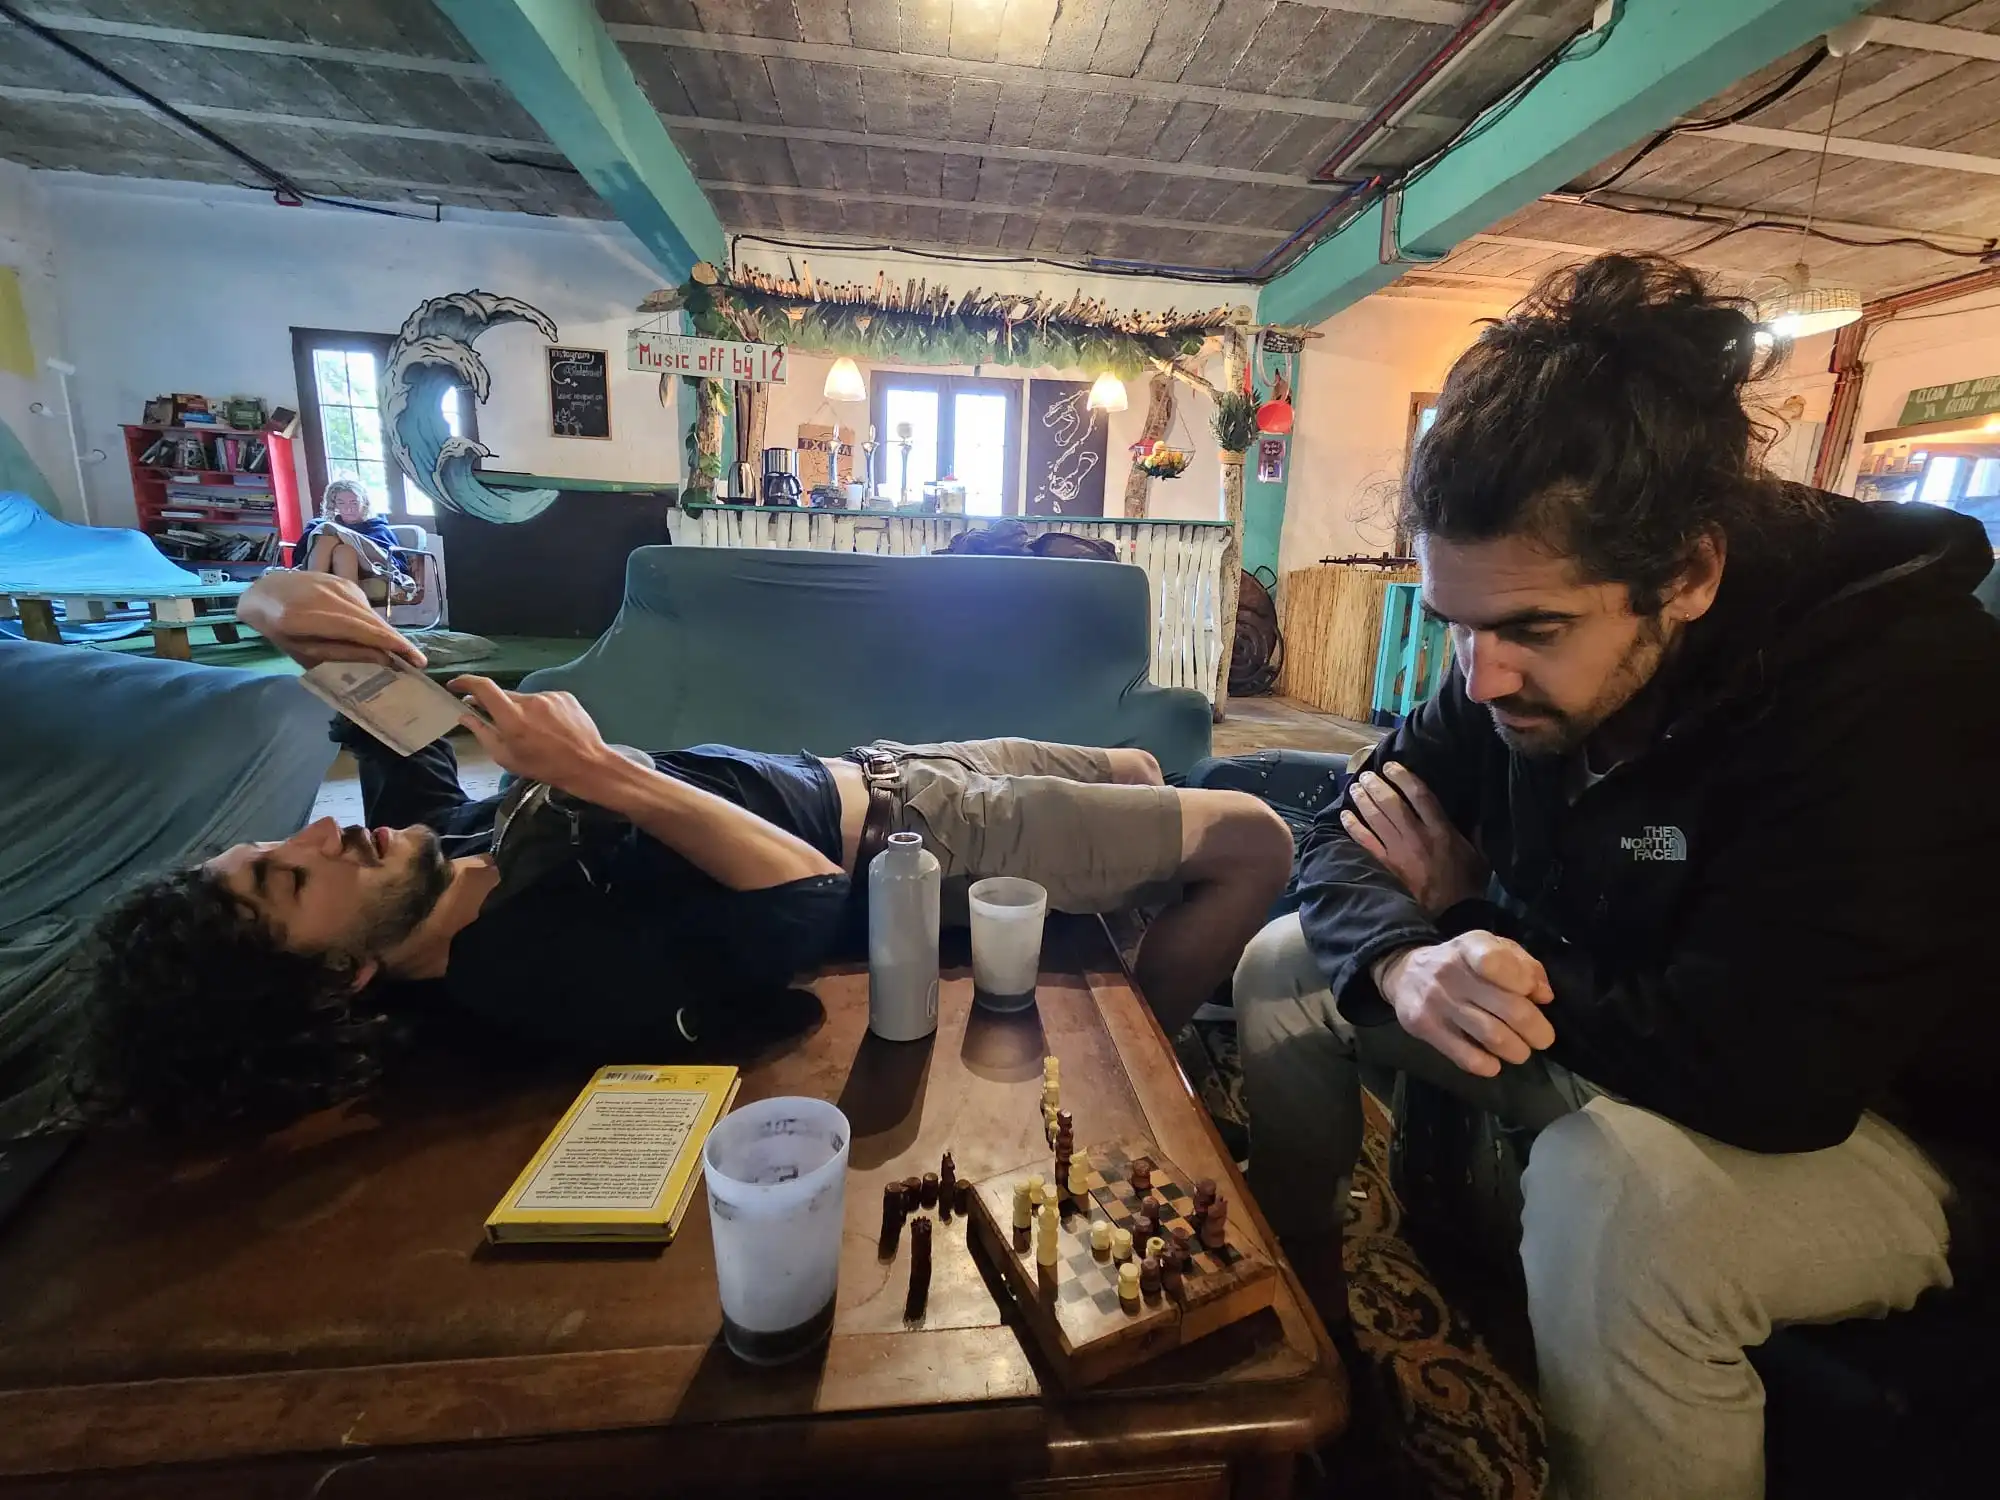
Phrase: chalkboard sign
(579, 396)
(1066, 450)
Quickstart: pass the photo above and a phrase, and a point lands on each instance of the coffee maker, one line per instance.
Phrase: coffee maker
(781, 476)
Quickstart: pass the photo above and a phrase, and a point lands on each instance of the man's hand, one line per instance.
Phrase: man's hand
(1477, 998)
(316, 617)
(1414, 840)
(541, 736)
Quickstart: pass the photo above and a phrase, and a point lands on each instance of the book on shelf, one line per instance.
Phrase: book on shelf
(622, 1163)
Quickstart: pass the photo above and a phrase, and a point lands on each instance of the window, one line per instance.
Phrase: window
(339, 376)
(1940, 474)
(961, 427)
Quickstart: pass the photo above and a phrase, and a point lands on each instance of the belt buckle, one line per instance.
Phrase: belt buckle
(881, 769)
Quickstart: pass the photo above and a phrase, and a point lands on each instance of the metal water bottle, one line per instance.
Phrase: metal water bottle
(904, 886)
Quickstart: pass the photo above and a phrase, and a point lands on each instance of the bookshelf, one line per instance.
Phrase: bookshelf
(237, 509)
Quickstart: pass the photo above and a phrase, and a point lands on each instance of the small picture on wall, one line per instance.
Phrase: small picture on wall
(579, 393)
(1271, 460)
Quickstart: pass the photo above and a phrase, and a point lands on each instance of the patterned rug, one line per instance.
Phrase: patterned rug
(1436, 1412)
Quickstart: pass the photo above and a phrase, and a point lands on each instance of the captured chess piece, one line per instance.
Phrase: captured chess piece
(962, 1197)
(1079, 1181)
(1024, 1213)
(930, 1189)
(947, 1186)
(920, 1268)
(1128, 1286)
(892, 1217)
(913, 1192)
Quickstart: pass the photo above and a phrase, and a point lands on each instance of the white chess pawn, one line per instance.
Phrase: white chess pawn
(1046, 1237)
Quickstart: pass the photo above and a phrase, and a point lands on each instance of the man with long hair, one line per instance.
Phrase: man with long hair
(273, 978)
(1688, 866)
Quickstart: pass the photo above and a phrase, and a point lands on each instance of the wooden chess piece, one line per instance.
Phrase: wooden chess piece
(920, 1268)
(1142, 1176)
(1215, 1225)
(929, 1190)
(947, 1186)
(1128, 1286)
(1149, 1278)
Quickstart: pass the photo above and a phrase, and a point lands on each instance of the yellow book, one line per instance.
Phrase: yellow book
(623, 1161)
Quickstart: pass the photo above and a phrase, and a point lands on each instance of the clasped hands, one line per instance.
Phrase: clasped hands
(1477, 998)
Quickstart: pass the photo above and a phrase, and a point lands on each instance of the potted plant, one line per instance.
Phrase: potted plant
(1235, 423)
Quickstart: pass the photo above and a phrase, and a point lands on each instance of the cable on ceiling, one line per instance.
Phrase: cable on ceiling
(1731, 226)
(284, 189)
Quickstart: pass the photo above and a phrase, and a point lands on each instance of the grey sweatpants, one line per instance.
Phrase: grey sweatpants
(1654, 1255)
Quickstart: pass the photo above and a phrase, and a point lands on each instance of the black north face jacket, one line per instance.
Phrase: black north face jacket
(1788, 909)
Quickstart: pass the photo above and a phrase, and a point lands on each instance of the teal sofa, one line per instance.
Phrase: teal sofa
(820, 651)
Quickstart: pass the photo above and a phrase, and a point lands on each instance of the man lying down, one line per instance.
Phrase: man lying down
(266, 981)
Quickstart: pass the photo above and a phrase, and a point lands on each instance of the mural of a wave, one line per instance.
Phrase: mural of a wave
(433, 353)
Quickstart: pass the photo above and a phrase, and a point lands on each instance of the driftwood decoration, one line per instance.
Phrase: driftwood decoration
(1235, 357)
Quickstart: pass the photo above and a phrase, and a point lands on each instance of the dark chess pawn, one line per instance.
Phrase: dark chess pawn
(1144, 1227)
(1181, 1252)
(920, 1268)
(1204, 1194)
(1142, 1176)
(1171, 1281)
(1215, 1225)
(1149, 1277)
(929, 1189)
(892, 1216)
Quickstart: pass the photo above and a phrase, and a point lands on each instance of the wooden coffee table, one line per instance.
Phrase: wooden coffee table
(317, 1316)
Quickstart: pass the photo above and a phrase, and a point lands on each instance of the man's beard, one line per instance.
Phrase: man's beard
(402, 908)
(1560, 732)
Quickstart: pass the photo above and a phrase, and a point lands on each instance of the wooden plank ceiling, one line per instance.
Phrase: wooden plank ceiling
(1174, 132)
(1896, 96)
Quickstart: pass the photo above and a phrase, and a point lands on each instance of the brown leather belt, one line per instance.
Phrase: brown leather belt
(884, 775)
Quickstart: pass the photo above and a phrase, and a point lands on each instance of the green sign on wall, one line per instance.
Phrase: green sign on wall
(1943, 403)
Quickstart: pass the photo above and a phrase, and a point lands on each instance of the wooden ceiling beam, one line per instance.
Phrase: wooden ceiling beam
(936, 147)
(1430, 13)
(556, 59)
(1920, 36)
(1855, 147)
(1016, 74)
(1649, 65)
(1035, 211)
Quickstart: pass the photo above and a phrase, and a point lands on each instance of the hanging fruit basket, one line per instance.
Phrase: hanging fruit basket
(1159, 461)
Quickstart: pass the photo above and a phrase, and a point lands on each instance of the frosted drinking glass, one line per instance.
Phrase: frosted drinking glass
(777, 1193)
(1007, 916)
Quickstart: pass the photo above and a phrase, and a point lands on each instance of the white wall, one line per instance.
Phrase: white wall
(27, 247)
(1195, 496)
(1932, 346)
(171, 287)
(1352, 421)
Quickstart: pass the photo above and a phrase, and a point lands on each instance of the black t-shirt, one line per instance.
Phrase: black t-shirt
(641, 949)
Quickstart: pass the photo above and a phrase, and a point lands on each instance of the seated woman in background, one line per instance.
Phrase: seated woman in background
(346, 540)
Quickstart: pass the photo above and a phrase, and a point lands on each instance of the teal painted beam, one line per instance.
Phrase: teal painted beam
(557, 59)
(1661, 59)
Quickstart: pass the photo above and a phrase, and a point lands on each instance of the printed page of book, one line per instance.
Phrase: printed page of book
(397, 704)
(616, 1155)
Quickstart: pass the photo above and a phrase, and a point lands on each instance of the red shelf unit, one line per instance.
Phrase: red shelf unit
(278, 484)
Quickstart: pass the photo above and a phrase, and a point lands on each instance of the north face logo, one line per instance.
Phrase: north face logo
(1661, 842)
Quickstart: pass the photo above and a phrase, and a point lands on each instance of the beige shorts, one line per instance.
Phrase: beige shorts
(1047, 813)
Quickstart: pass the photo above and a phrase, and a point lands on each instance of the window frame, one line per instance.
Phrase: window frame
(305, 343)
(948, 388)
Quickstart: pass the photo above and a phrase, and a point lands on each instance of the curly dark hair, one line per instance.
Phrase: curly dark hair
(199, 1018)
(1605, 417)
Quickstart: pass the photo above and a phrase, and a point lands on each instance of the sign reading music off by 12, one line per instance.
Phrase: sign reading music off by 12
(703, 359)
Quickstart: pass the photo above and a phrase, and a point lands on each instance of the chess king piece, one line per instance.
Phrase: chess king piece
(1128, 1285)
(1121, 1244)
(920, 1268)
(1100, 1239)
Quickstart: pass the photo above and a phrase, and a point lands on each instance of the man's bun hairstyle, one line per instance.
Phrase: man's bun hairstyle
(1605, 418)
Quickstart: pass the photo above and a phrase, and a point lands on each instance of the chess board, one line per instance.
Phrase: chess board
(1083, 1329)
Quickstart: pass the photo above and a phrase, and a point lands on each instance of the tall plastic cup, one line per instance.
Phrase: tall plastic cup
(777, 1179)
(1007, 917)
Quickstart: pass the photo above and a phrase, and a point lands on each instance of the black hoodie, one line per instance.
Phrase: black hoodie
(1787, 910)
